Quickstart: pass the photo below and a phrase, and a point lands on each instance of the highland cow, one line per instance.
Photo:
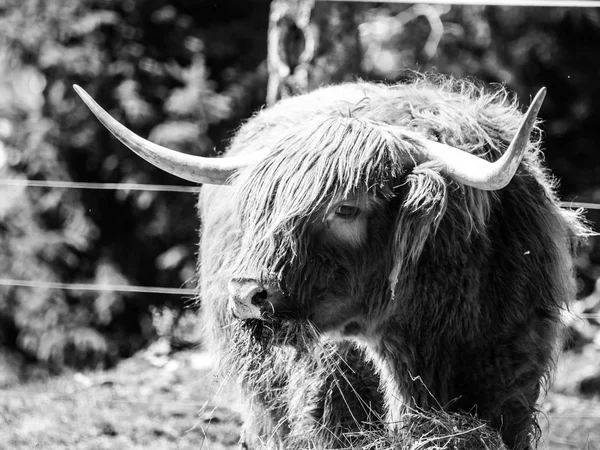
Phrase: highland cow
(368, 249)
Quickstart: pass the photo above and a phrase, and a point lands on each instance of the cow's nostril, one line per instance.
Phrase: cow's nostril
(247, 298)
(259, 297)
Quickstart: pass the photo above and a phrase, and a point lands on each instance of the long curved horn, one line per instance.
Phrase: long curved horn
(477, 172)
(189, 167)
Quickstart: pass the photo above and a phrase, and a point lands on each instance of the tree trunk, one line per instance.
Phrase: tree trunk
(311, 45)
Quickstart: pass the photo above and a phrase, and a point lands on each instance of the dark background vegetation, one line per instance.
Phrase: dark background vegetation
(185, 73)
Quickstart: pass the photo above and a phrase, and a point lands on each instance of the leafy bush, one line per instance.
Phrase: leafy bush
(184, 73)
(148, 63)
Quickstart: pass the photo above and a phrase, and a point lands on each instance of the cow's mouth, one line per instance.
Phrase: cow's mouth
(281, 331)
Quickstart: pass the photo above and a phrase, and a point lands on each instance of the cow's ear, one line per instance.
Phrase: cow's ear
(418, 216)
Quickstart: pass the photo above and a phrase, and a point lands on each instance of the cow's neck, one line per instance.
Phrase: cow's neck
(408, 379)
(421, 345)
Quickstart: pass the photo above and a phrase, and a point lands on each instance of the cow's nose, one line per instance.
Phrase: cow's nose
(246, 297)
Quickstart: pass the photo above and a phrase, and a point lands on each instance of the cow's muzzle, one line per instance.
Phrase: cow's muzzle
(250, 299)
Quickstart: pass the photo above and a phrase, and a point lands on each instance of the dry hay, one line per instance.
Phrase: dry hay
(433, 430)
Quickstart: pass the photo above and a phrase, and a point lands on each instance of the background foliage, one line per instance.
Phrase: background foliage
(184, 73)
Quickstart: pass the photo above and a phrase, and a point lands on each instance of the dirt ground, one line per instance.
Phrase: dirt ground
(172, 402)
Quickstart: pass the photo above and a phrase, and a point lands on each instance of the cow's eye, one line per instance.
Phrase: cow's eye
(347, 211)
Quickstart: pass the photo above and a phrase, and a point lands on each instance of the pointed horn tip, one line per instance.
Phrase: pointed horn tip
(533, 110)
(81, 92)
(539, 97)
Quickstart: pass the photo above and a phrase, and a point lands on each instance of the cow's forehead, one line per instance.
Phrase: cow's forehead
(326, 159)
(462, 116)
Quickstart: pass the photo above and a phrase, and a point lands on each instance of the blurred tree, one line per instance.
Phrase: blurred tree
(148, 63)
(184, 73)
(311, 44)
(523, 48)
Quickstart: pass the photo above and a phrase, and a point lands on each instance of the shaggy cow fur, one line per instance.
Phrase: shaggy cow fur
(425, 293)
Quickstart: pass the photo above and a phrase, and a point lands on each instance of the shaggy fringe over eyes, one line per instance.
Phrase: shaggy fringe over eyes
(422, 211)
(328, 159)
(336, 154)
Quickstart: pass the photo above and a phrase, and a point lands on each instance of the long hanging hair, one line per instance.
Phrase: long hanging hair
(335, 143)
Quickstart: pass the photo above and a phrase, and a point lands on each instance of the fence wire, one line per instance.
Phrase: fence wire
(20, 182)
(58, 184)
(25, 183)
(96, 287)
(535, 3)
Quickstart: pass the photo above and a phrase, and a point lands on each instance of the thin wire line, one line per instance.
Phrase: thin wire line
(100, 186)
(70, 397)
(573, 416)
(96, 287)
(588, 315)
(170, 188)
(540, 3)
(580, 205)
(137, 289)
